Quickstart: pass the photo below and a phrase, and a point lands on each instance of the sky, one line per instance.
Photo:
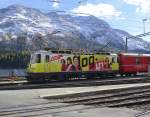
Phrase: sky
(126, 15)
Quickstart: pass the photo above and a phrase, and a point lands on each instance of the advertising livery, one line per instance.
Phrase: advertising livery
(86, 62)
(48, 64)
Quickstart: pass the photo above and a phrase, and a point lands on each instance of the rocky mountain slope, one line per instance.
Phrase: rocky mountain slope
(27, 28)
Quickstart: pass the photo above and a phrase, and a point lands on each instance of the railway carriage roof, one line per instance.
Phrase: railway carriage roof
(135, 54)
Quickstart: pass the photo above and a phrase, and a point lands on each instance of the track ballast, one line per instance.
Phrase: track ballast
(74, 83)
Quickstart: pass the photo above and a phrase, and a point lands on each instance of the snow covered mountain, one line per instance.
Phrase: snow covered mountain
(56, 29)
(17, 19)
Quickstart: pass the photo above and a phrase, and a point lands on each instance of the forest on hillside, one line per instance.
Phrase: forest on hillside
(18, 60)
(15, 52)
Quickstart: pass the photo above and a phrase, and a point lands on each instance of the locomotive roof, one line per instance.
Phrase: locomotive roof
(43, 51)
(69, 51)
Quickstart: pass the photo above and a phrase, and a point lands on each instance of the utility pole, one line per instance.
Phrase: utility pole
(92, 43)
(126, 42)
(144, 20)
(140, 35)
(136, 36)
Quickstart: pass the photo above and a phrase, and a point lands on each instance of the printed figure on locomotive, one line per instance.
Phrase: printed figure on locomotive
(71, 64)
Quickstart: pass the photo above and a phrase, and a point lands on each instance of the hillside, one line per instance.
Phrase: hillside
(27, 28)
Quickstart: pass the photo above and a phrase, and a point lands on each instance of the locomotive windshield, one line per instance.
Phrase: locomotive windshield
(47, 58)
(36, 58)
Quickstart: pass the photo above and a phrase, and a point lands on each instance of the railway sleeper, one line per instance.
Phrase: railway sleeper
(116, 100)
(130, 103)
(101, 95)
(95, 97)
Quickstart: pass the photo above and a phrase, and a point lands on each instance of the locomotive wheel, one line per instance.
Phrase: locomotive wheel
(59, 77)
(134, 74)
(35, 80)
(122, 75)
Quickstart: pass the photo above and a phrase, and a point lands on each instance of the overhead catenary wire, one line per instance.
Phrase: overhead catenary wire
(79, 2)
(108, 43)
(136, 36)
(110, 40)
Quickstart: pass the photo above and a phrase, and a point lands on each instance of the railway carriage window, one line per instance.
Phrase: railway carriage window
(47, 58)
(38, 58)
(137, 61)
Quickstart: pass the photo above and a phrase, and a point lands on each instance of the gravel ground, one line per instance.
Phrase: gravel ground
(142, 107)
(21, 98)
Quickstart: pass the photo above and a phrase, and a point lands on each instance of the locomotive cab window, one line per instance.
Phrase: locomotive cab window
(38, 58)
(113, 59)
(117, 59)
(47, 58)
(137, 61)
(32, 59)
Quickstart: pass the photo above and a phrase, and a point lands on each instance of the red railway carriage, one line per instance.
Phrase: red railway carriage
(133, 63)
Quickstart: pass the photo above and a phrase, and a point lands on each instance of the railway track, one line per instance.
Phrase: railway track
(84, 101)
(127, 97)
(41, 109)
(77, 103)
(72, 83)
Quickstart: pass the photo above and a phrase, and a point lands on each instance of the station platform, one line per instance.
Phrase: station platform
(48, 93)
